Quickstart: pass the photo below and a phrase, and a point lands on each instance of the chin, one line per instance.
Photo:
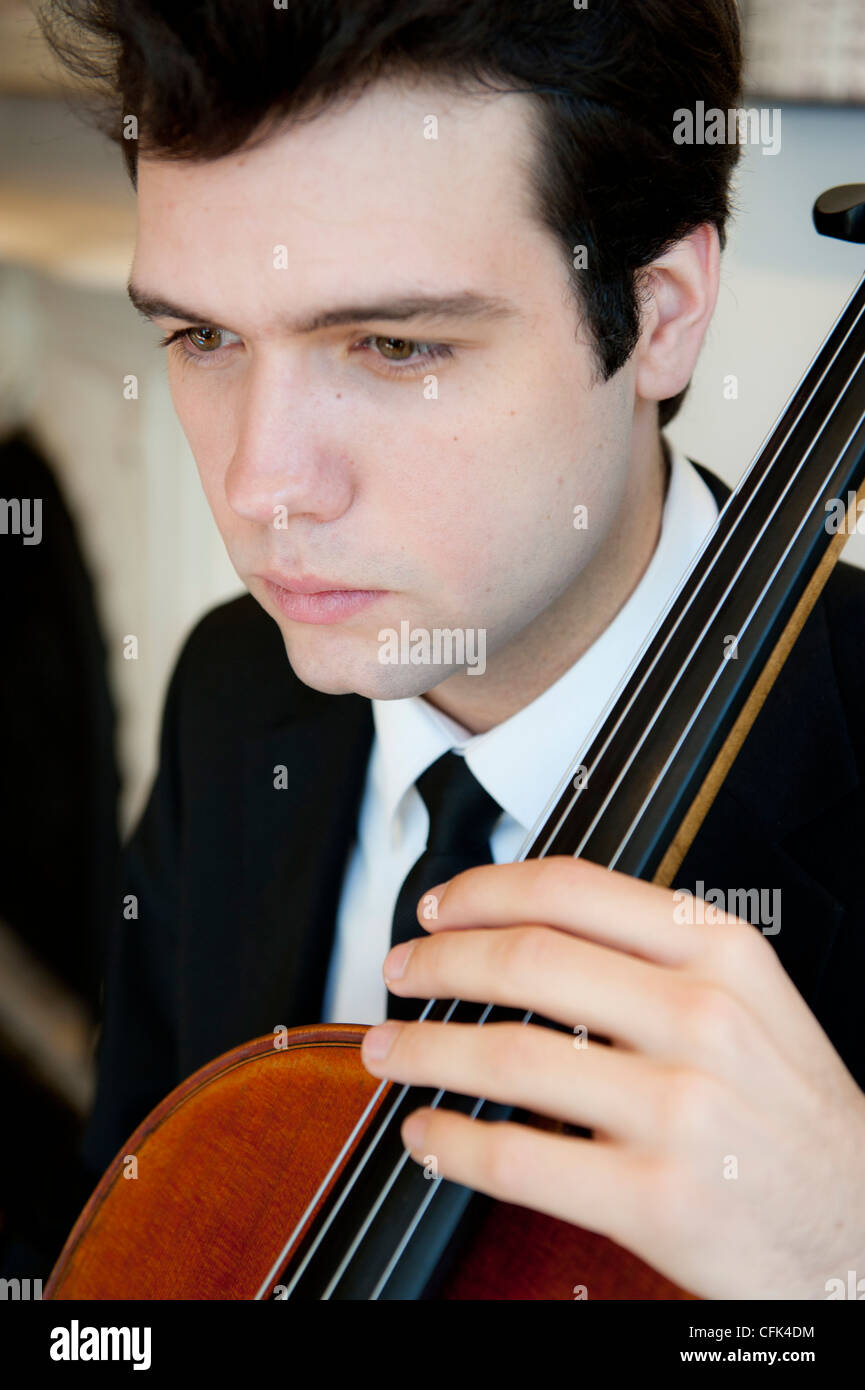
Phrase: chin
(351, 672)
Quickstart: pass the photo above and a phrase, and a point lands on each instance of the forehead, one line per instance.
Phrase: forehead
(412, 186)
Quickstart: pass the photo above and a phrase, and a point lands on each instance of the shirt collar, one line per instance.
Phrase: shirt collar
(521, 761)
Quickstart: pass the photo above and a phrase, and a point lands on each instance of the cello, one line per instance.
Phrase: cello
(277, 1170)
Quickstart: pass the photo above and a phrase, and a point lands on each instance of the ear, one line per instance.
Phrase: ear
(679, 295)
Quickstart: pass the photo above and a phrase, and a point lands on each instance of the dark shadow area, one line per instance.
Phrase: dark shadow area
(58, 855)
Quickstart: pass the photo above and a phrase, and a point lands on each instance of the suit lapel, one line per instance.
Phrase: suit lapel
(297, 837)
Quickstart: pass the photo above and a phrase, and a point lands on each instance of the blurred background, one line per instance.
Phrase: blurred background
(130, 548)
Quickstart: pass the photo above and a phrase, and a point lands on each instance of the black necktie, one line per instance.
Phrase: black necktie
(462, 816)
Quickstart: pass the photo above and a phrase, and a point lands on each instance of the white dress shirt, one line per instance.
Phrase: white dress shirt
(520, 762)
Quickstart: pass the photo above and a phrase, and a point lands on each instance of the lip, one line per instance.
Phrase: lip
(310, 584)
(314, 600)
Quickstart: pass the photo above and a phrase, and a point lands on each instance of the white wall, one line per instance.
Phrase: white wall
(782, 287)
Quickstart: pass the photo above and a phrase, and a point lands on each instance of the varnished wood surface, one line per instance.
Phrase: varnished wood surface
(229, 1162)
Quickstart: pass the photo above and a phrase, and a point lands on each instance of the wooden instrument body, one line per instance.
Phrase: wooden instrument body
(200, 1202)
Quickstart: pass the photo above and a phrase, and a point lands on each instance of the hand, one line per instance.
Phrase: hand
(728, 1147)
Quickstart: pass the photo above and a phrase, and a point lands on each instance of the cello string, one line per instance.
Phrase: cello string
(709, 621)
(594, 732)
(402, 1090)
(703, 579)
(422, 1207)
(721, 668)
(279, 1263)
(394, 1174)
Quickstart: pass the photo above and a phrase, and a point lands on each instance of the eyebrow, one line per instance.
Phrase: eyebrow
(464, 305)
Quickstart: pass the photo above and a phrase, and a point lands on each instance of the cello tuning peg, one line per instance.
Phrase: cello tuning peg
(840, 212)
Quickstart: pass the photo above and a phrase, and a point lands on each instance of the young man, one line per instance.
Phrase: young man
(437, 310)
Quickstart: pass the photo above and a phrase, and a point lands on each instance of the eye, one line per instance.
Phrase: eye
(203, 344)
(394, 351)
(204, 338)
(198, 343)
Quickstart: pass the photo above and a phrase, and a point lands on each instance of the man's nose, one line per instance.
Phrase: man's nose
(289, 457)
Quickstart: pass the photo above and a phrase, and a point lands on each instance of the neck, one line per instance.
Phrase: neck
(530, 664)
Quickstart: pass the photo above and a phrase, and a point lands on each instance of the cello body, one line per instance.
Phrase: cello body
(198, 1203)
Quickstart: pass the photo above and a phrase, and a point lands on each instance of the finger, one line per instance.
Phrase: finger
(574, 895)
(666, 1015)
(550, 973)
(534, 1068)
(591, 1183)
(629, 916)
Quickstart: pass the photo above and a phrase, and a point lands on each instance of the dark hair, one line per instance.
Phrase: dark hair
(206, 77)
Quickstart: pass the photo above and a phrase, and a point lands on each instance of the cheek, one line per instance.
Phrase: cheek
(208, 427)
(496, 526)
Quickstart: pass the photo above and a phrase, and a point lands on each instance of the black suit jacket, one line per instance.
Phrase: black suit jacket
(238, 882)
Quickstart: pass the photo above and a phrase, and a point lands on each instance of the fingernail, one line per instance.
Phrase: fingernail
(414, 1129)
(396, 960)
(430, 901)
(378, 1042)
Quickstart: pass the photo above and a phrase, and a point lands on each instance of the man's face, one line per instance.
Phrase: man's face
(437, 459)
